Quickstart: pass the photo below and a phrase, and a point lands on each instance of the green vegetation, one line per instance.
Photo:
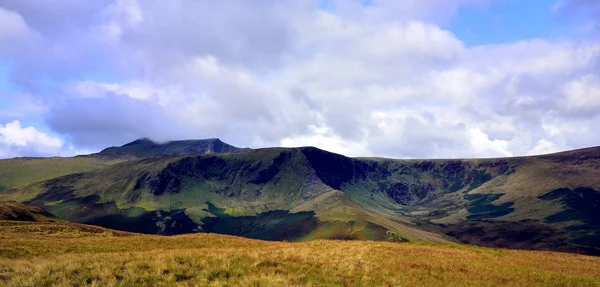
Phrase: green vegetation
(252, 189)
(66, 254)
(301, 194)
(21, 171)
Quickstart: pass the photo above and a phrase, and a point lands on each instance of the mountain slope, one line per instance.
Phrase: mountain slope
(142, 148)
(544, 202)
(20, 171)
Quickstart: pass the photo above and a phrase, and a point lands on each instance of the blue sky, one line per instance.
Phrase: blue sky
(502, 21)
(427, 78)
(508, 21)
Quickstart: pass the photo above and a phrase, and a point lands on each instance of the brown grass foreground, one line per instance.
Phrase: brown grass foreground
(63, 254)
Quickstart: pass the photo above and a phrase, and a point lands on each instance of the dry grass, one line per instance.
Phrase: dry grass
(60, 254)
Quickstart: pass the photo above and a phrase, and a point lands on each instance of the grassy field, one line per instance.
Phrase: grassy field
(66, 254)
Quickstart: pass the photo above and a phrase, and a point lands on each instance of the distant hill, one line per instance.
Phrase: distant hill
(147, 148)
(547, 202)
(22, 212)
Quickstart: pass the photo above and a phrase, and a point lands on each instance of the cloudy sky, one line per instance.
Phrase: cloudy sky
(407, 79)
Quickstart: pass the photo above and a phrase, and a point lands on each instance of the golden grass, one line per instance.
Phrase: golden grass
(72, 254)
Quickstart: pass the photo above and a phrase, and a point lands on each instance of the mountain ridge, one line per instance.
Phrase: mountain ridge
(537, 202)
(145, 147)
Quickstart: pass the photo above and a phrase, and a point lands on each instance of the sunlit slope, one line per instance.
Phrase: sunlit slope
(65, 254)
(20, 171)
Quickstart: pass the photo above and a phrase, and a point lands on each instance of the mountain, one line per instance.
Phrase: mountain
(548, 202)
(20, 171)
(142, 148)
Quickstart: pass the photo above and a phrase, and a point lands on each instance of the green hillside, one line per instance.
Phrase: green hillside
(20, 171)
(268, 194)
(545, 202)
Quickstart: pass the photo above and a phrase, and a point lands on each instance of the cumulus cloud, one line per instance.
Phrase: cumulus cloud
(16, 140)
(13, 25)
(582, 95)
(543, 146)
(361, 78)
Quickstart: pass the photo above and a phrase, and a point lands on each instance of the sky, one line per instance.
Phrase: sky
(403, 79)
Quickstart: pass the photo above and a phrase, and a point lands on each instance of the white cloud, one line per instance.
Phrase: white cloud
(582, 95)
(16, 140)
(13, 25)
(543, 146)
(322, 137)
(13, 134)
(379, 80)
(484, 146)
(13, 28)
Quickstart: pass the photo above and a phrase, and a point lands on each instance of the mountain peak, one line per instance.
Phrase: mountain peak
(145, 147)
(140, 141)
